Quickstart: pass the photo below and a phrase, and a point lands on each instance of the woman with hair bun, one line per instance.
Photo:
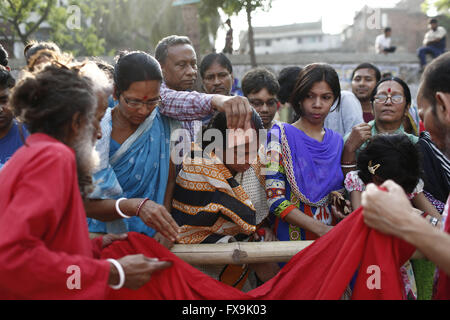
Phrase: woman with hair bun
(135, 179)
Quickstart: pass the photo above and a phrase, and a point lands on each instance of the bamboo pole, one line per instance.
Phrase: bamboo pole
(239, 252)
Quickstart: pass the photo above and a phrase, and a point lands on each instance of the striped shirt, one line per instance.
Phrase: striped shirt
(188, 107)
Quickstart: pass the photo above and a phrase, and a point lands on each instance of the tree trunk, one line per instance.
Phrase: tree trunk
(251, 41)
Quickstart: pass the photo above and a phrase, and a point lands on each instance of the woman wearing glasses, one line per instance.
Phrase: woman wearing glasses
(136, 176)
(391, 99)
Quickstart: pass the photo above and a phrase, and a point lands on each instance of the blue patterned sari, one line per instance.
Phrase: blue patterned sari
(138, 169)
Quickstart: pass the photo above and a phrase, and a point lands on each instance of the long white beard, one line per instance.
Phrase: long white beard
(87, 159)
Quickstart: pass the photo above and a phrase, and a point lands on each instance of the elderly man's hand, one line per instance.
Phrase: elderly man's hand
(138, 270)
(237, 109)
(109, 238)
(387, 211)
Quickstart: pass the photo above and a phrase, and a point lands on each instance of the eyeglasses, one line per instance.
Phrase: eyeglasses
(259, 103)
(382, 98)
(135, 104)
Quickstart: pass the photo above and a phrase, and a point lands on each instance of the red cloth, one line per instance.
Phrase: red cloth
(43, 228)
(321, 271)
(443, 285)
(421, 127)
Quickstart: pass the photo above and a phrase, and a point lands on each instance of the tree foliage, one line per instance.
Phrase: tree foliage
(17, 20)
(22, 20)
(231, 7)
(98, 27)
(443, 9)
(73, 30)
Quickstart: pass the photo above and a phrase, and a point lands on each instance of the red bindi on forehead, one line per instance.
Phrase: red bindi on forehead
(389, 90)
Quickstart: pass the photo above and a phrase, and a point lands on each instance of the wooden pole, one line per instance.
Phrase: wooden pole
(239, 252)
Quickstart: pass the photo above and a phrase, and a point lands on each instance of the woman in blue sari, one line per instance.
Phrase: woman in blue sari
(304, 160)
(136, 177)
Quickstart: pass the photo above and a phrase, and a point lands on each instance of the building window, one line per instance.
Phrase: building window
(268, 43)
(299, 40)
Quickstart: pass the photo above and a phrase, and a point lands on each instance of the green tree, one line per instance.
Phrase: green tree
(70, 25)
(72, 28)
(15, 18)
(442, 6)
(231, 7)
(140, 24)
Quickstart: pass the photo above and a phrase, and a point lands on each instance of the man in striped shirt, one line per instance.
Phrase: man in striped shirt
(178, 61)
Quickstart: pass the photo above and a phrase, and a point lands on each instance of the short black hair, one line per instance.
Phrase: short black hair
(387, 29)
(367, 65)
(433, 20)
(436, 77)
(287, 79)
(257, 79)
(3, 56)
(212, 58)
(133, 67)
(6, 79)
(311, 74)
(398, 157)
(162, 48)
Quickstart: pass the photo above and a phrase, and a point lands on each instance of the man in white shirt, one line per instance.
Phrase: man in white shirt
(434, 42)
(383, 42)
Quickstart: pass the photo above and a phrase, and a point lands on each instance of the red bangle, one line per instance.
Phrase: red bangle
(424, 214)
(140, 206)
(287, 211)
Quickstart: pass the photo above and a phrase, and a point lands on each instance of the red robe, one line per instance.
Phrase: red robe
(321, 271)
(43, 228)
(443, 284)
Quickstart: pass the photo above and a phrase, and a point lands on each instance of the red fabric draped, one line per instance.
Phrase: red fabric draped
(443, 285)
(321, 271)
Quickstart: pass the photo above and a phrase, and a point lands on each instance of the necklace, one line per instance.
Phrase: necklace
(299, 126)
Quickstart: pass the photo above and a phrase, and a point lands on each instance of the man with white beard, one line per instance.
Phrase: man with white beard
(45, 251)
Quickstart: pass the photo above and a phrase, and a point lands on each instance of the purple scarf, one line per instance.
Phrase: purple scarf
(316, 165)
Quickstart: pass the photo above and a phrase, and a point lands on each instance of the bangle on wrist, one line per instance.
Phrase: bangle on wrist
(348, 166)
(121, 274)
(119, 212)
(140, 206)
(348, 163)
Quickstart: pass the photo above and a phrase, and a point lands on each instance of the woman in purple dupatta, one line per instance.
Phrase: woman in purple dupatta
(305, 160)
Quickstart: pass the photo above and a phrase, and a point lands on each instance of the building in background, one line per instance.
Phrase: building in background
(299, 37)
(407, 20)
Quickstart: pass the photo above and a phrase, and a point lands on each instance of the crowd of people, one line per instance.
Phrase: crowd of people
(92, 154)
